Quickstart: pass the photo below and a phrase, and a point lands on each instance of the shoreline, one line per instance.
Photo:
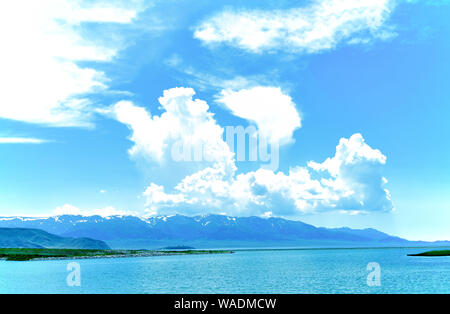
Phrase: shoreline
(14, 254)
(122, 256)
(334, 248)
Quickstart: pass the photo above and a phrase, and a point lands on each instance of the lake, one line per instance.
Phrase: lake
(278, 271)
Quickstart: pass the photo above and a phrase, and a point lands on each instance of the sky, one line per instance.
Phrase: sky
(129, 107)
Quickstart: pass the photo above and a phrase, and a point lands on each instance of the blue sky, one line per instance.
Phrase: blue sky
(364, 86)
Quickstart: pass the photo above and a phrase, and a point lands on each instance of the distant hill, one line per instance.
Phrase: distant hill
(34, 238)
(207, 231)
(178, 247)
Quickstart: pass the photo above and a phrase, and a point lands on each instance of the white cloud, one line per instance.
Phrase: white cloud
(21, 140)
(351, 181)
(68, 209)
(349, 152)
(273, 112)
(204, 81)
(42, 42)
(320, 26)
(185, 127)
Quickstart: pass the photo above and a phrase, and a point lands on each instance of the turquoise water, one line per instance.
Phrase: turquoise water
(301, 271)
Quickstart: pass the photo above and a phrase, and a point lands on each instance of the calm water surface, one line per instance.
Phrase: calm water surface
(300, 271)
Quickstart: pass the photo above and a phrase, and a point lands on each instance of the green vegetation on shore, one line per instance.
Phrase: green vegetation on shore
(14, 254)
(433, 253)
(17, 254)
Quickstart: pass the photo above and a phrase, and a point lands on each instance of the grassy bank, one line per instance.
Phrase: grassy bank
(433, 253)
(15, 254)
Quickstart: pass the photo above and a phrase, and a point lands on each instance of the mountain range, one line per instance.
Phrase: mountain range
(207, 231)
(34, 239)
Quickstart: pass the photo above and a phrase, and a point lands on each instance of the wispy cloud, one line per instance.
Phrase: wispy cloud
(318, 27)
(42, 44)
(225, 80)
(21, 140)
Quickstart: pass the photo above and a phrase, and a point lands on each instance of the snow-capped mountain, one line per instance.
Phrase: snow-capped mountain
(202, 231)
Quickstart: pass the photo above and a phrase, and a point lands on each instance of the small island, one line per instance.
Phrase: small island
(178, 247)
(22, 254)
(433, 253)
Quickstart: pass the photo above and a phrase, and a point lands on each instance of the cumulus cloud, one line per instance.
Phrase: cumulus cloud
(42, 43)
(68, 209)
(350, 181)
(320, 26)
(185, 131)
(273, 112)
